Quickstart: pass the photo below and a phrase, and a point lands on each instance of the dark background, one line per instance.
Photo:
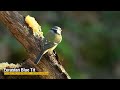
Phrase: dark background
(90, 47)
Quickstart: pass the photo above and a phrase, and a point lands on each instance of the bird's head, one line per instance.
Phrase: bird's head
(56, 30)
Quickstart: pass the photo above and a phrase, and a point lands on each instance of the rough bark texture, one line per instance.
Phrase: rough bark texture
(17, 26)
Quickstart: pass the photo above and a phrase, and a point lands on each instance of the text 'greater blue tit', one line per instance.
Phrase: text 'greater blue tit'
(50, 42)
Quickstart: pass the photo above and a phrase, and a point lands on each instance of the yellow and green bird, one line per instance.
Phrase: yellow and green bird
(50, 42)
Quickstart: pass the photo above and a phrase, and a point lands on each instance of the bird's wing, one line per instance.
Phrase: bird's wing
(48, 45)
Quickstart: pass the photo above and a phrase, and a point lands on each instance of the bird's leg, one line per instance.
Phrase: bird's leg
(51, 53)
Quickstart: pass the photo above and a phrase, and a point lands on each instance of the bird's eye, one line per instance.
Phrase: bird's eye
(55, 31)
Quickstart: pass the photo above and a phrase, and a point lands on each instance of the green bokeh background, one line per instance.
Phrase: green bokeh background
(90, 47)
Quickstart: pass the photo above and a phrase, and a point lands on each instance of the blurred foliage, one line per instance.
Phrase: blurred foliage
(91, 42)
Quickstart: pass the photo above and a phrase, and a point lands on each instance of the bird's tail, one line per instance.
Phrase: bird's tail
(39, 58)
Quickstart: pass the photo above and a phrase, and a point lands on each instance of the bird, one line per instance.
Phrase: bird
(50, 42)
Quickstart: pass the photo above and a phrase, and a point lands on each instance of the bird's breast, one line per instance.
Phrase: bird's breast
(51, 49)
